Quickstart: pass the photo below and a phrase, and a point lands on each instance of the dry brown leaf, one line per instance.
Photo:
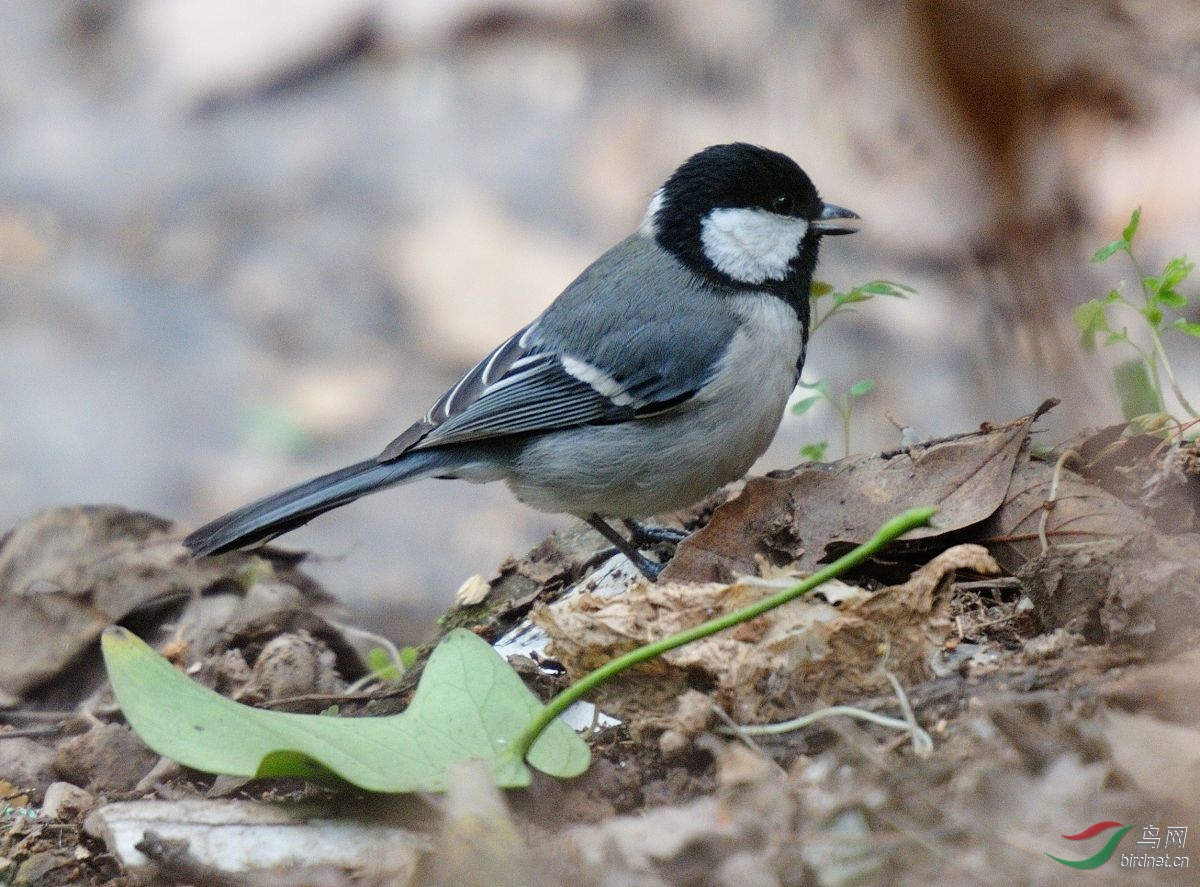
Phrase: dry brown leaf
(797, 517)
(67, 573)
(1078, 512)
(900, 628)
(772, 665)
(1143, 470)
(588, 630)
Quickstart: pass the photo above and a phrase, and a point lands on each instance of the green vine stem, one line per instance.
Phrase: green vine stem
(894, 528)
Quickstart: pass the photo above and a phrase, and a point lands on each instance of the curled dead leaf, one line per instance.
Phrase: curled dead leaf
(806, 649)
(899, 628)
(800, 517)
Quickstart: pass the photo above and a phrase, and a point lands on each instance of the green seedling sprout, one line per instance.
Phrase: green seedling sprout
(1142, 382)
(826, 304)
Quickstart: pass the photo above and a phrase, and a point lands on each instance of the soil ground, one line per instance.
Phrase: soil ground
(1042, 634)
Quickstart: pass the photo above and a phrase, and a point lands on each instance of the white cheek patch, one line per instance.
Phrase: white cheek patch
(751, 245)
(649, 226)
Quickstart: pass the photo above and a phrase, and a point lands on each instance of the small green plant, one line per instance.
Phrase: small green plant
(840, 303)
(1143, 381)
(385, 665)
(827, 303)
(814, 452)
(381, 665)
(843, 405)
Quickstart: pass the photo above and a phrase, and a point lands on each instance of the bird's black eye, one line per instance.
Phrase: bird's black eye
(782, 205)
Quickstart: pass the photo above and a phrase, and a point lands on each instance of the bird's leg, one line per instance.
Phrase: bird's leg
(651, 534)
(646, 567)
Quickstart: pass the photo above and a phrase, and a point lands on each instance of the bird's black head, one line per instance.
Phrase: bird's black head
(746, 218)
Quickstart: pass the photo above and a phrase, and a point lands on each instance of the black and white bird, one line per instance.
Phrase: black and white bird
(660, 374)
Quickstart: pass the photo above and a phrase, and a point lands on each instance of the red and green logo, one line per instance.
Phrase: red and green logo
(1102, 856)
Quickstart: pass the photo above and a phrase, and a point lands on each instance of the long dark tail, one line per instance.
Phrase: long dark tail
(278, 513)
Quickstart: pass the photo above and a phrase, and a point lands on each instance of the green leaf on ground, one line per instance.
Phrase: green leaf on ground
(469, 705)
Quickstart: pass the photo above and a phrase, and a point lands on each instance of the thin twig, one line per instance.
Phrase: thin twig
(1048, 505)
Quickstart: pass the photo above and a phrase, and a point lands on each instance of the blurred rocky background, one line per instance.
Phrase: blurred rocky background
(243, 242)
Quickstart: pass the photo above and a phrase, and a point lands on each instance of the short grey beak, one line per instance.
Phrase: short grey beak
(835, 220)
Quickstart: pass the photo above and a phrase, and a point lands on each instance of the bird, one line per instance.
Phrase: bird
(657, 376)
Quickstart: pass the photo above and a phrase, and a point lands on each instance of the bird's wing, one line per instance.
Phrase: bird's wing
(641, 359)
(516, 391)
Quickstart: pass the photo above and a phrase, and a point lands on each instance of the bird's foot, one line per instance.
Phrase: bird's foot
(643, 535)
(648, 568)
